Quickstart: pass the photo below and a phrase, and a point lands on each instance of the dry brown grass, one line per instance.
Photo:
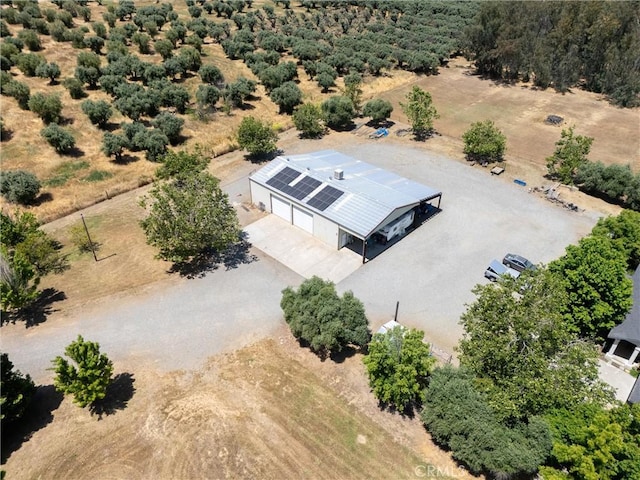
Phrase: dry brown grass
(269, 411)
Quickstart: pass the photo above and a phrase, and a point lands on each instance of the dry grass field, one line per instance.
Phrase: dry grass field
(269, 411)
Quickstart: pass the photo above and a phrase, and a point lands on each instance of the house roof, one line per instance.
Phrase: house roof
(629, 330)
(369, 194)
(634, 395)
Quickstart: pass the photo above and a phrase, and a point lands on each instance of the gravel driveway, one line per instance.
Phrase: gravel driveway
(179, 323)
(431, 272)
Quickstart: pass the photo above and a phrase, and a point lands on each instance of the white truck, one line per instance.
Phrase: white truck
(396, 228)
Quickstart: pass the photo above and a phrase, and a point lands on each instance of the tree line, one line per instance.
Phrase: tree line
(561, 44)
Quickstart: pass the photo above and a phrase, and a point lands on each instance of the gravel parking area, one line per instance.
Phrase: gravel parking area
(431, 271)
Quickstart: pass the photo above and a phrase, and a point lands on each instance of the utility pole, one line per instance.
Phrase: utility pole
(93, 250)
(395, 318)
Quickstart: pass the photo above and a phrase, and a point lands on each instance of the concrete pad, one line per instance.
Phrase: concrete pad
(621, 381)
(300, 251)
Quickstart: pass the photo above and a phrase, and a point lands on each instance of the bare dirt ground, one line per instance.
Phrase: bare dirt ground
(271, 410)
(250, 413)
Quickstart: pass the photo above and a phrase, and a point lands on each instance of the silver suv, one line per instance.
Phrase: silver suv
(496, 269)
(517, 262)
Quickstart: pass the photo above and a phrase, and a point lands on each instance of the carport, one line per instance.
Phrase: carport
(339, 199)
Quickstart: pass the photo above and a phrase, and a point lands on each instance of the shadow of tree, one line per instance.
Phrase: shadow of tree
(37, 416)
(119, 392)
(37, 312)
(263, 157)
(237, 254)
(342, 355)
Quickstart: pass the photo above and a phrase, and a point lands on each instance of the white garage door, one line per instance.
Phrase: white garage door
(281, 208)
(303, 219)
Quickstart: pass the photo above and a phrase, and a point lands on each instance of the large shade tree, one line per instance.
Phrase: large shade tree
(521, 347)
(318, 316)
(399, 364)
(257, 137)
(570, 153)
(484, 142)
(593, 273)
(189, 216)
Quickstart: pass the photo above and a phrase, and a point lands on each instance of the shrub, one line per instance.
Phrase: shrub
(30, 39)
(58, 138)
(16, 391)
(19, 186)
(338, 112)
(47, 107)
(75, 88)
(308, 119)
(484, 141)
(48, 70)
(98, 112)
(256, 137)
(20, 91)
(28, 63)
(169, 124)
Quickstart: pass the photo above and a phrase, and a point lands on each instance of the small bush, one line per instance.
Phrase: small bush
(47, 107)
(75, 88)
(58, 138)
(19, 186)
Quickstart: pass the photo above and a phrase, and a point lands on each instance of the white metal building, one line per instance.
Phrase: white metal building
(334, 197)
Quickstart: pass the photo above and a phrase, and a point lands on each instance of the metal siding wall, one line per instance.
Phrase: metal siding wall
(325, 230)
(303, 219)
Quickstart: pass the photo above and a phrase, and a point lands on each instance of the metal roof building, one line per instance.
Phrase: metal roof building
(626, 336)
(336, 197)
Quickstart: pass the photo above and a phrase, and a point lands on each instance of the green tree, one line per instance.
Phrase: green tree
(88, 377)
(624, 231)
(16, 392)
(59, 138)
(308, 119)
(237, 92)
(420, 111)
(18, 281)
(590, 443)
(28, 63)
(257, 137)
(207, 96)
(169, 124)
(164, 48)
(48, 70)
(378, 109)
(21, 92)
(75, 88)
(571, 152)
(318, 316)
(47, 107)
(180, 163)
(19, 186)
(21, 233)
(286, 96)
(593, 273)
(484, 142)
(338, 112)
(99, 112)
(398, 365)
(353, 90)
(30, 39)
(458, 415)
(519, 344)
(189, 217)
(154, 142)
(211, 74)
(113, 145)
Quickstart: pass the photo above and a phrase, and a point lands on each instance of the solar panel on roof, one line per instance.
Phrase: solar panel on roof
(324, 198)
(283, 178)
(303, 188)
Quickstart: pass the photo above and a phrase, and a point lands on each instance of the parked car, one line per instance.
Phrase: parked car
(496, 269)
(517, 262)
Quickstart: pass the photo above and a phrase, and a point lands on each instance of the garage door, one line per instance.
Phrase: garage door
(303, 219)
(281, 208)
